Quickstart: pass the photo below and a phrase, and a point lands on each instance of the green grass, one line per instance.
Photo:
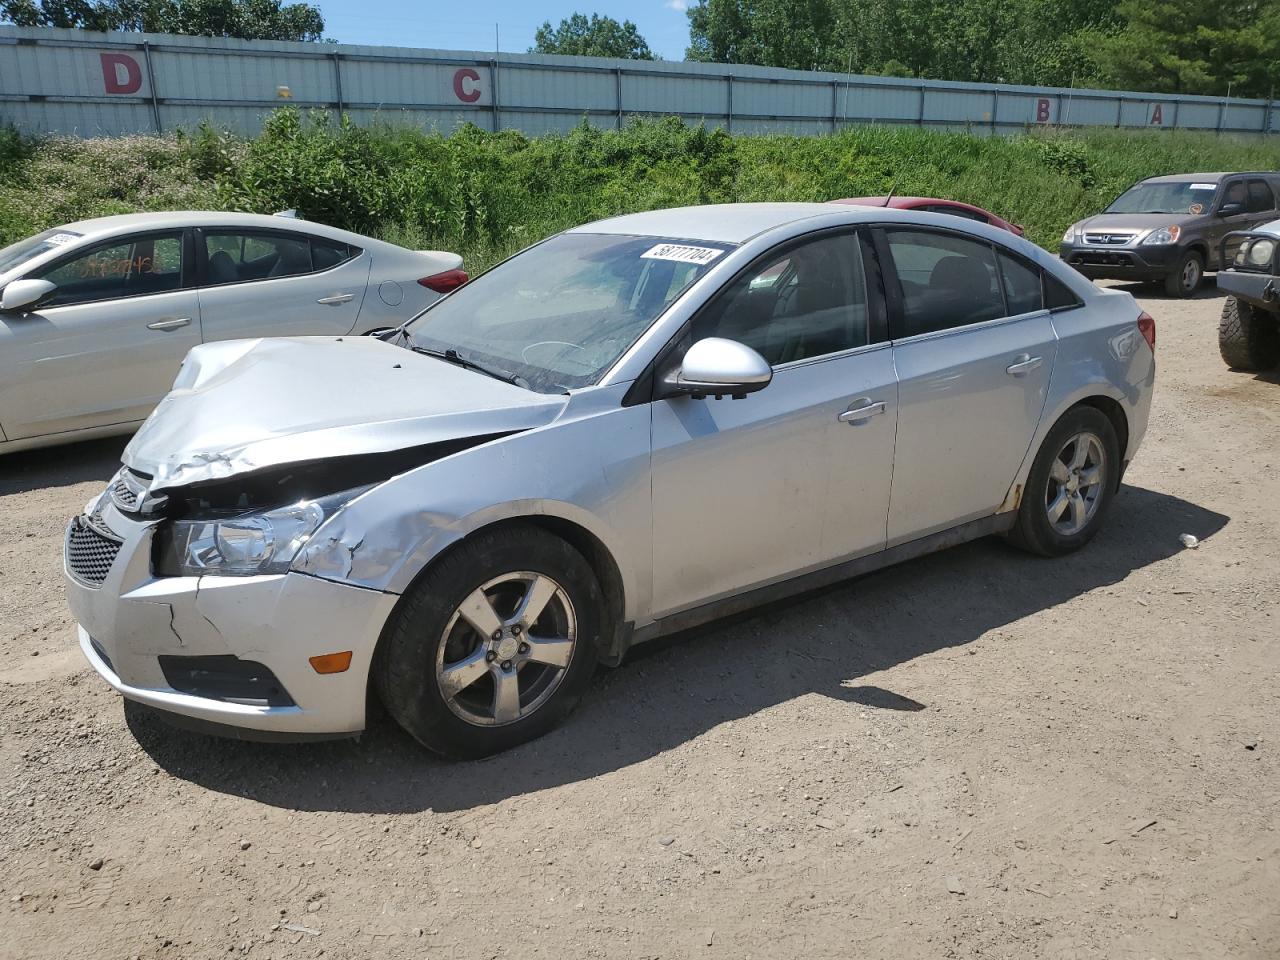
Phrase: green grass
(487, 195)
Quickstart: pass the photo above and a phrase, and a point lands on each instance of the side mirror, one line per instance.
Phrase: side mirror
(716, 367)
(25, 294)
(1230, 209)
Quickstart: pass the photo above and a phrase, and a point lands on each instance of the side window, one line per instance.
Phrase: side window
(958, 212)
(130, 268)
(235, 256)
(1260, 197)
(1057, 295)
(806, 302)
(1021, 285)
(1235, 193)
(947, 281)
(329, 253)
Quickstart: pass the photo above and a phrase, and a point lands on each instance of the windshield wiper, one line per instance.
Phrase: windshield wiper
(452, 356)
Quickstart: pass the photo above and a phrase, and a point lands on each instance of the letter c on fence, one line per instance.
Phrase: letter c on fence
(1157, 115)
(1042, 110)
(460, 85)
(111, 77)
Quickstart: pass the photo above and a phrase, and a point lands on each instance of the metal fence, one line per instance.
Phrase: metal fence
(94, 84)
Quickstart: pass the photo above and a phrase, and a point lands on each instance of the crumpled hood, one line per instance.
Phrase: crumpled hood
(1137, 221)
(242, 405)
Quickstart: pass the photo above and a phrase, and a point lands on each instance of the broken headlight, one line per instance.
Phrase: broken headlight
(245, 544)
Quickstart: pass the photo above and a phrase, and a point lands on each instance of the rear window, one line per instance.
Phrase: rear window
(16, 254)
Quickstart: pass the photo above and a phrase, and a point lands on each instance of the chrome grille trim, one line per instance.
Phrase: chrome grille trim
(1108, 239)
(90, 551)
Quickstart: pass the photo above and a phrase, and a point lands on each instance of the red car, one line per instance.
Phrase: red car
(934, 205)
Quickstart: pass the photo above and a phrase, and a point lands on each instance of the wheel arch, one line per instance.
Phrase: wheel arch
(1113, 411)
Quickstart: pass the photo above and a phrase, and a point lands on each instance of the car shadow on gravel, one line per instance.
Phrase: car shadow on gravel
(63, 466)
(1155, 291)
(678, 689)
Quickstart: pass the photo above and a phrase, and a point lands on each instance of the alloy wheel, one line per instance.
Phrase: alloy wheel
(1076, 482)
(1191, 274)
(506, 648)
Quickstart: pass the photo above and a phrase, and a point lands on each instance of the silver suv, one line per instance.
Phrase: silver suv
(1168, 229)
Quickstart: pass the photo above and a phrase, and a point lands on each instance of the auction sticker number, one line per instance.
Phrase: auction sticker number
(681, 254)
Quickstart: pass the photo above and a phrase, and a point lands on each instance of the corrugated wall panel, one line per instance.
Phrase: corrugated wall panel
(235, 83)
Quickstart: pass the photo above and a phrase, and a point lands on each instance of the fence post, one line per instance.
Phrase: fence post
(337, 83)
(1176, 105)
(995, 107)
(1222, 110)
(835, 122)
(920, 112)
(493, 85)
(617, 92)
(1266, 116)
(151, 84)
(1119, 111)
(728, 124)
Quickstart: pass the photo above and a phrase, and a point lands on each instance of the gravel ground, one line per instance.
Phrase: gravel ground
(977, 754)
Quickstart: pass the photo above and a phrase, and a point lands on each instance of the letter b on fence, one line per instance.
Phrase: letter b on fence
(120, 73)
(1042, 110)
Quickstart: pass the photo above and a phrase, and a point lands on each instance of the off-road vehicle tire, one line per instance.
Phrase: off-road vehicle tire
(1248, 336)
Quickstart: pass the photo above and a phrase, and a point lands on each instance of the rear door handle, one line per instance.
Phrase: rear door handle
(337, 298)
(1024, 364)
(173, 323)
(861, 410)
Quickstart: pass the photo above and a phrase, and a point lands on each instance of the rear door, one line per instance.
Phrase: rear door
(106, 347)
(973, 348)
(758, 489)
(277, 283)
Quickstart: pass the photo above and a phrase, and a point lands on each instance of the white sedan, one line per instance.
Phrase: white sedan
(96, 316)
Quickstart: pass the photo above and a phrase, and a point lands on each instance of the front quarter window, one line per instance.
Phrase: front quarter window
(558, 315)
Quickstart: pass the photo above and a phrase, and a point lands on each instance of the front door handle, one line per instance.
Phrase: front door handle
(173, 323)
(336, 299)
(1024, 364)
(862, 410)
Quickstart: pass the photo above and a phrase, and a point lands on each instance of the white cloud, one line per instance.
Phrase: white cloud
(680, 5)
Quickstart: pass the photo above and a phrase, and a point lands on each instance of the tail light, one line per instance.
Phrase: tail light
(1147, 327)
(444, 282)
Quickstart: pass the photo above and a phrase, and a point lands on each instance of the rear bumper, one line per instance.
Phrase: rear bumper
(137, 630)
(1121, 263)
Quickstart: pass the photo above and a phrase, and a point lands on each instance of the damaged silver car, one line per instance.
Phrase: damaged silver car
(628, 429)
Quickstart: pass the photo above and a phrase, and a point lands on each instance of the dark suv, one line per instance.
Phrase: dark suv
(1169, 229)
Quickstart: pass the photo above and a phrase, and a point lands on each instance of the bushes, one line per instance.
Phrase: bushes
(486, 195)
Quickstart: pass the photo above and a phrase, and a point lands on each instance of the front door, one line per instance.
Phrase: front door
(106, 346)
(796, 476)
(973, 349)
(278, 283)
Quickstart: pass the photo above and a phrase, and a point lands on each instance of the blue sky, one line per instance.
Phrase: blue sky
(468, 25)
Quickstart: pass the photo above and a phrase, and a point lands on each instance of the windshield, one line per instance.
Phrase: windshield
(558, 315)
(16, 254)
(1186, 197)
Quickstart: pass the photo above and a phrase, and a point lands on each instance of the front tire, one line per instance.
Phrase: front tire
(1248, 337)
(1071, 484)
(1186, 277)
(494, 645)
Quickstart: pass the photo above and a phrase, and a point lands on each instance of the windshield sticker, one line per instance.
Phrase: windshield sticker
(1196, 208)
(61, 238)
(1204, 186)
(674, 251)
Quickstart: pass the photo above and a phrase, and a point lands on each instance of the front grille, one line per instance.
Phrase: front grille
(123, 497)
(1109, 239)
(90, 553)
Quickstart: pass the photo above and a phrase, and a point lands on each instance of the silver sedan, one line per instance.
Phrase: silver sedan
(628, 429)
(96, 316)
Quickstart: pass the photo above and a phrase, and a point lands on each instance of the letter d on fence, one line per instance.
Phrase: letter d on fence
(112, 78)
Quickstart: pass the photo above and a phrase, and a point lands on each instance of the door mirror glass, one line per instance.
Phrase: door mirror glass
(1230, 209)
(717, 367)
(26, 294)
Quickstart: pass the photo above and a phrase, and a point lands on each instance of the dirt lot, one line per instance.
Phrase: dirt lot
(979, 754)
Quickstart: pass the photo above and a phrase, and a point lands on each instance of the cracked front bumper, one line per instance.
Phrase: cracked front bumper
(132, 618)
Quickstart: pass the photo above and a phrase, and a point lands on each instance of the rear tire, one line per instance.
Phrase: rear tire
(1187, 275)
(468, 692)
(1071, 484)
(1248, 337)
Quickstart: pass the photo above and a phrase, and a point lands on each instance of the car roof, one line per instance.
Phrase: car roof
(717, 222)
(173, 219)
(1214, 177)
